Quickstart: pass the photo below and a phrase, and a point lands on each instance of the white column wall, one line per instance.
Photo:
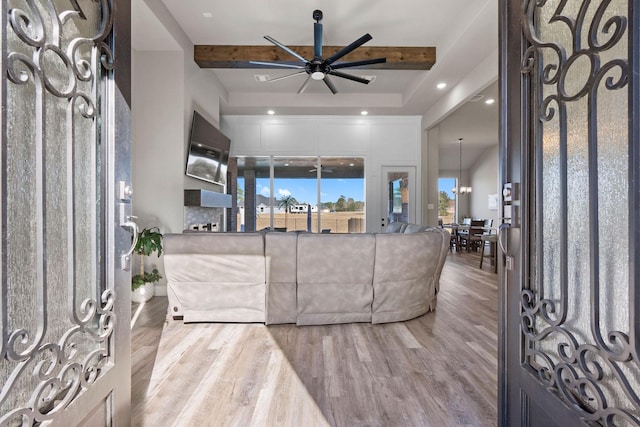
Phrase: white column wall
(431, 166)
(157, 147)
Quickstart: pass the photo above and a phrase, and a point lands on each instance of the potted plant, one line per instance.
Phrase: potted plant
(149, 241)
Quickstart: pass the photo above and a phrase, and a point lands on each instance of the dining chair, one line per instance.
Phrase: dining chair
(473, 238)
(464, 231)
(488, 223)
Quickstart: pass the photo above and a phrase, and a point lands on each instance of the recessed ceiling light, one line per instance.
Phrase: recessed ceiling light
(271, 112)
(441, 85)
(489, 101)
(261, 77)
(364, 112)
(207, 14)
(351, 164)
(286, 164)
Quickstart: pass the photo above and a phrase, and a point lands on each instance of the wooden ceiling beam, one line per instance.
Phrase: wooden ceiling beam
(231, 56)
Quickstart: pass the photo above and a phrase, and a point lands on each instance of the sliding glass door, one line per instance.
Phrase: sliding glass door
(295, 185)
(314, 194)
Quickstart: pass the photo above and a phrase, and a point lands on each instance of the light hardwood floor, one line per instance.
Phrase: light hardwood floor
(437, 370)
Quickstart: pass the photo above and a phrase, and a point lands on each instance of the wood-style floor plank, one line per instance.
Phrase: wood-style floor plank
(439, 369)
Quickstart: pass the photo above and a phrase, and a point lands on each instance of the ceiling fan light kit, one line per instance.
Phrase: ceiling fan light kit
(320, 68)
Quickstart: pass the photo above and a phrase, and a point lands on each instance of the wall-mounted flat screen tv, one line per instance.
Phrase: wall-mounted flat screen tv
(208, 152)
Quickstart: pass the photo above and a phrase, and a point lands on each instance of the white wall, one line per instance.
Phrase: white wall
(484, 179)
(158, 139)
(381, 141)
(167, 86)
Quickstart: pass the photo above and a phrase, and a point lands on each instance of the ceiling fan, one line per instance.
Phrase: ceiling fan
(323, 169)
(320, 68)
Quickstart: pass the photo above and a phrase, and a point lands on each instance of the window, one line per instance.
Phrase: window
(317, 194)
(447, 200)
(342, 195)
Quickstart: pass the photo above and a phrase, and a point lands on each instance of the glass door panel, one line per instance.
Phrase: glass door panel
(295, 186)
(315, 194)
(64, 294)
(342, 195)
(570, 282)
(399, 186)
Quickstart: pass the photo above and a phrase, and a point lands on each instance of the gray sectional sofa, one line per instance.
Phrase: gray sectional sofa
(305, 278)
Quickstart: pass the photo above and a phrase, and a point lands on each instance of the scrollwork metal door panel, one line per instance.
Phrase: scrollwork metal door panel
(64, 301)
(570, 143)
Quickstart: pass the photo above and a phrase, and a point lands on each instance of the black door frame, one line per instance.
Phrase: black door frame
(517, 388)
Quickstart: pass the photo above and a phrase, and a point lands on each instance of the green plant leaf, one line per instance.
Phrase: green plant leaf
(149, 241)
(140, 279)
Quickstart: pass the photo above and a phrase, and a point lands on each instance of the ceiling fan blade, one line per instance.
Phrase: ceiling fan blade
(359, 63)
(349, 76)
(345, 50)
(286, 49)
(286, 77)
(305, 84)
(276, 64)
(317, 40)
(329, 84)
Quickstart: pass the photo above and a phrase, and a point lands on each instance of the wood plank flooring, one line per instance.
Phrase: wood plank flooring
(437, 370)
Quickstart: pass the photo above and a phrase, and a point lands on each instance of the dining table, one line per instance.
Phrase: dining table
(457, 229)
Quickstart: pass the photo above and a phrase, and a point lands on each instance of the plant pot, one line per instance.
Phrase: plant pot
(143, 293)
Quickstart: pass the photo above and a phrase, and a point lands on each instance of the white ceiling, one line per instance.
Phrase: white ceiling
(464, 32)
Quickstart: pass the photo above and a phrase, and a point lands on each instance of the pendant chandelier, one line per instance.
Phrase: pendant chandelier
(460, 189)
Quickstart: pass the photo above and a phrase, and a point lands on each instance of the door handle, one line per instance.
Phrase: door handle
(509, 258)
(126, 257)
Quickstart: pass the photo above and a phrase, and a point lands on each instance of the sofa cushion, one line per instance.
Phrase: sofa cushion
(395, 227)
(216, 288)
(214, 243)
(280, 257)
(404, 275)
(415, 228)
(334, 276)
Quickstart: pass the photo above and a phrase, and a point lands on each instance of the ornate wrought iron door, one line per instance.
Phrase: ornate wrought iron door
(570, 143)
(64, 354)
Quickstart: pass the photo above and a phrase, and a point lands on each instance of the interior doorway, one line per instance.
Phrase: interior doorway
(447, 206)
